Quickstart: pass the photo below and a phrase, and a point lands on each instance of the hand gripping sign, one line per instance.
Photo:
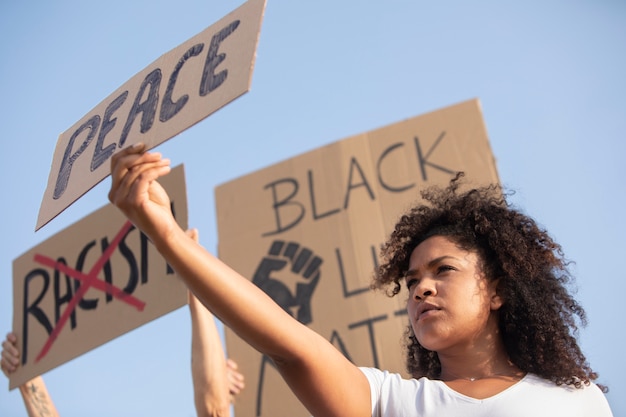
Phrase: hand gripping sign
(173, 93)
(90, 283)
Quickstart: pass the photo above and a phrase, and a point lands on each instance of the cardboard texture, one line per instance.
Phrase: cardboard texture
(308, 231)
(176, 91)
(59, 314)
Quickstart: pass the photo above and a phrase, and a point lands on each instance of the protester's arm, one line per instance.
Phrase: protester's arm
(34, 392)
(322, 378)
(215, 380)
(208, 365)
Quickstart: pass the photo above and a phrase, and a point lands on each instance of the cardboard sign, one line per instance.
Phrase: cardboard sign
(173, 93)
(90, 283)
(308, 232)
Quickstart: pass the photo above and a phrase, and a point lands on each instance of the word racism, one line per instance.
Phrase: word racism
(90, 283)
(176, 91)
(64, 284)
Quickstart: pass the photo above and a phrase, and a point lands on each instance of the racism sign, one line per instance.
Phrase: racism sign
(90, 283)
(307, 231)
(173, 93)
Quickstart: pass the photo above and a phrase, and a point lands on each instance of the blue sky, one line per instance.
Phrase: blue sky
(550, 76)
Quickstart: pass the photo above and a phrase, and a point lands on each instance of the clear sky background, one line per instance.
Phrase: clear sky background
(550, 76)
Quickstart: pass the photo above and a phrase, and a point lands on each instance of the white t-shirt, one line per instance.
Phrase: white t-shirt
(393, 396)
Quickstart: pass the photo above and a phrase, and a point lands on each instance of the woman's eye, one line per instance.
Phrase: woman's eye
(445, 268)
(410, 282)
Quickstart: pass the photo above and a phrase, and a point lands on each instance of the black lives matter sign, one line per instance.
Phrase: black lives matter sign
(307, 232)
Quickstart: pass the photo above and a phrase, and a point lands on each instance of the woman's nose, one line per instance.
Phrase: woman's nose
(424, 289)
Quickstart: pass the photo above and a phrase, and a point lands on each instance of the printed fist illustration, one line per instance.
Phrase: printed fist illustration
(281, 273)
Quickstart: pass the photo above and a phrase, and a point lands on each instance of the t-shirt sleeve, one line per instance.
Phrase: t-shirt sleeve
(375, 377)
(596, 403)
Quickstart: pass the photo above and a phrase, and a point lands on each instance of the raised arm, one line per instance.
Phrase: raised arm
(34, 392)
(322, 378)
(208, 365)
(215, 380)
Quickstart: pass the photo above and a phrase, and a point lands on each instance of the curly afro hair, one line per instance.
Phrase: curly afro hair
(539, 318)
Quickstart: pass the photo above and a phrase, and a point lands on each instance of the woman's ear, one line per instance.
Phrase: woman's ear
(496, 299)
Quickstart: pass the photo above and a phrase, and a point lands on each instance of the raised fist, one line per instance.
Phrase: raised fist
(287, 263)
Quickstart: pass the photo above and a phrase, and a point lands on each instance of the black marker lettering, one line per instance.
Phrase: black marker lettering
(265, 360)
(379, 163)
(147, 108)
(369, 323)
(283, 203)
(84, 303)
(355, 164)
(59, 299)
(69, 158)
(100, 155)
(210, 81)
(344, 285)
(34, 308)
(423, 158)
(170, 108)
(133, 277)
(313, 204)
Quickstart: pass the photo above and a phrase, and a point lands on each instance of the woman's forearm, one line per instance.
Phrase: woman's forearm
(37, 400)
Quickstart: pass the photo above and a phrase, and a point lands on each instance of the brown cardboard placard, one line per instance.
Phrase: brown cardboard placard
(176, 91)
(324, 214)
(90, 283)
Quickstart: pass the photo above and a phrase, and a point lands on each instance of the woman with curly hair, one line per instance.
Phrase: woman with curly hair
(492, 325)
(489, 310)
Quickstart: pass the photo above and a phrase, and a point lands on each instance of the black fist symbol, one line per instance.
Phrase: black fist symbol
(303, 263)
